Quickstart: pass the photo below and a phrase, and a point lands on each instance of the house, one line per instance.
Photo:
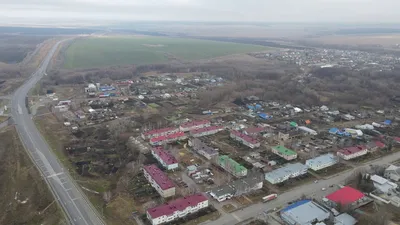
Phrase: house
(344, 196)
(159, 132)
(245, 139)
(322, 162)
(284, 152)
(253, 131)
(166, 159)
(253, 182)
(206, 131)
(285, 173)
(307, 130)
(203, 149)
(374, 146)
(383, 184)
(176, 209)
(193, 125)
(392, 173)
(161, 140)
(231, 166)
(352, 152)
(159, 180)
(304, 212)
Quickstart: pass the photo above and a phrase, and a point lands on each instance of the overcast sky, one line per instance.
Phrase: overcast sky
(28, 11)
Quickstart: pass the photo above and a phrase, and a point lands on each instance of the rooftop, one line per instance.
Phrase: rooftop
(176, 205)
(164, 155)
(352, 150)
(159, 176)
(166, 137)
(244, 137)
(254, 130)
(158, 131)
(304, 212)
(345, 195)
(206, 129)
(345, 219)
(287, 170)
(283, 150)
(224, 159)
(322, 159)
(194, 123)
(198, 145)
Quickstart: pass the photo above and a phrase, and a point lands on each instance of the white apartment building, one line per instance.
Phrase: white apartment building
(176, 209)
(321, 162)
(352, 152)
(285, 173)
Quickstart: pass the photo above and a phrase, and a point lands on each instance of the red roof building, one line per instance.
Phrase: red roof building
(206, 131)
(245, 139)
(160, 140)
(194, 125)
(352, 152)
(396, 139)
(159, 132)
(159, 180)
(176, 209)
(345, 196)
(166, 159)
(253, 130)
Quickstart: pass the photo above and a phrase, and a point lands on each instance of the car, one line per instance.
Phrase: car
(315, 181)
(323, 189)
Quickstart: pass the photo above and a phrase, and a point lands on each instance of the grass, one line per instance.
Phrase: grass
(228, 208)
(209, 217)
(108, 51)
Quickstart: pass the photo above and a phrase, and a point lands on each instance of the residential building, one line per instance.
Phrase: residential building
(166, 159)
(283, 152)
(383, 184)
(231, 166)
(285, 173)
(304, 212)
(352, 152)
(206, 131)
(322, 162)
(344, 219)
(176, 209)
(159, 132)
(202, 148)
(161, 140)
(253, 131)
(193, 125)
(392, 173)
(245, 139)
(344, 196)
(252, 182)
(159, 180)
(375, 146)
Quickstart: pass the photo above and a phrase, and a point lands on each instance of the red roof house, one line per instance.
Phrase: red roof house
(345, 196)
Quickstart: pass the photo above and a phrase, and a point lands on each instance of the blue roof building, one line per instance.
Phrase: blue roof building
(304, 212)
(264, 116)
(387, 122)
(333, 130)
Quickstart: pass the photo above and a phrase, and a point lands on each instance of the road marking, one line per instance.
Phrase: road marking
(74, 199)
(55, 174)
(236, 217)
(19, 110)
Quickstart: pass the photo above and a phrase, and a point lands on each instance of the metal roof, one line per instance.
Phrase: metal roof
(345, 219)
(224, 161)
(321, 160)
(283, 150)
(287, 170)
(304, 212)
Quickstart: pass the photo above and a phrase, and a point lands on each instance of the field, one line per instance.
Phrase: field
(386, 40)
(25, 197)
(108, 51)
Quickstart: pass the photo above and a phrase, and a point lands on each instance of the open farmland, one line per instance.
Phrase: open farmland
(108, 51)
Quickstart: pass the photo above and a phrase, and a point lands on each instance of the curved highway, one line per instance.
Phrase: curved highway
(77, 208)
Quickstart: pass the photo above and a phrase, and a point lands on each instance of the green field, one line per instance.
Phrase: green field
(108, 51)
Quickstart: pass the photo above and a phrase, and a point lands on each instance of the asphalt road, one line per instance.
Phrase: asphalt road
(309, 189)
(75, 204)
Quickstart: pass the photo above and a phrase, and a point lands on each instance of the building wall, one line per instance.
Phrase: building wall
(352, 156)
(164, 193)
(317, 167)
(287, 157)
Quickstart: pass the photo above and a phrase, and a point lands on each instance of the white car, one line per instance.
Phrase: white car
(323, 189)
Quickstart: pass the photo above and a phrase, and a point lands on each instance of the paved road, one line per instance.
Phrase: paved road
(75, 204)
(308, 189)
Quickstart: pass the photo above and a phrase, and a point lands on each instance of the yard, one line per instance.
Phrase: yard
(120, 50)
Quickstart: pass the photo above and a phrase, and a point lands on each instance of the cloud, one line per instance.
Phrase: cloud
(202, 10)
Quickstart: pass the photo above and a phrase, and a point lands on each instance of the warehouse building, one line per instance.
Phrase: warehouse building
(322, 162)
(285, 173)
(304, 212)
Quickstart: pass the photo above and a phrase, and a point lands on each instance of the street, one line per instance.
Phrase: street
(77, 208)
(307, 189)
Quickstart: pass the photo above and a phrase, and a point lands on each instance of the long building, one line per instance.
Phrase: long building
(202, 148)
(231, 166)
(352, 152)
(159, 180)
(245, 139)
(252, 182)
(322, 162)
(284, 152)
(161, 140)
(176, 209)
(166, 159)
(194, 125)
(159, 132)
(206, 131)
(304, 212)
(285, 173)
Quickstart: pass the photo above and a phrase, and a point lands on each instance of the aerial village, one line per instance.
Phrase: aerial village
(221, 160)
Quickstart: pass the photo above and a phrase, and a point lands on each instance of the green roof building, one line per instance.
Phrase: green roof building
(284, 152)
(232, 166)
